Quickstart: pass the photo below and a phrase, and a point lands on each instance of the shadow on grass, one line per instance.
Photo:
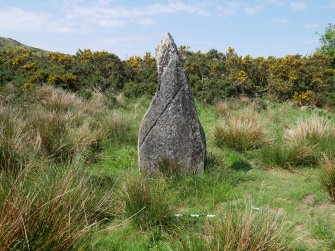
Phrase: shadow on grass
(241, 165)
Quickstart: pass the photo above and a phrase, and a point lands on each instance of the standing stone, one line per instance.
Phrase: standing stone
(170, 131)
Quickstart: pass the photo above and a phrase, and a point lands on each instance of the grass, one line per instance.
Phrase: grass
(312, 129)
(327, 165)
(48, 209)
(15, 141)
(222, 108)
(242, 229)
(288, 155)
(277, 188)
(240, 133)
(44, 205)
(278, 174)
(146, 202)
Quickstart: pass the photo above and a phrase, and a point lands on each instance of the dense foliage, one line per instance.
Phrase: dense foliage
(327, 40)
(213, 75)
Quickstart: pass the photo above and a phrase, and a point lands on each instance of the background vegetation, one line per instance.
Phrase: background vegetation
(213, 75)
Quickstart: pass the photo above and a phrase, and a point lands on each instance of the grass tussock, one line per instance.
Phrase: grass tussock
(242, 230)
(301, 144)
(57, 99)
(146, 202)
(311, 129)
(44, 205)
(48, 209)
(222, 108)
(288, 155)
(17, 141)
(242, 132)
(327, 178)
(57, 125)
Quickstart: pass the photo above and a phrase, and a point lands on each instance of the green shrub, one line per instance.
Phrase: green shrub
(210, 89)
(132, 89)
(146, 202)
(241, 133)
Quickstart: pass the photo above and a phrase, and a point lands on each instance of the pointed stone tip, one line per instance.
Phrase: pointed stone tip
(168, 38)
(167, 41)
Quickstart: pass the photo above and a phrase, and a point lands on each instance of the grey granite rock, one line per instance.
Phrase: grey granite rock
(170, 130)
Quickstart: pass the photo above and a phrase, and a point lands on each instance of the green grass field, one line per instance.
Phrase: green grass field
(69, 178)
(232, 179)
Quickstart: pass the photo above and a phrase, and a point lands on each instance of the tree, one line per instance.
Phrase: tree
(327, 40)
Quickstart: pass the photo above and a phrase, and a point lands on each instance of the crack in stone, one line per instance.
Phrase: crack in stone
(167, 105)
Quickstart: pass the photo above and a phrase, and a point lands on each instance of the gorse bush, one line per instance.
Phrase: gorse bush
(241, 132)
(48, 209)
(146, 202)
(213, 75)
(242, 230)
(327, 178)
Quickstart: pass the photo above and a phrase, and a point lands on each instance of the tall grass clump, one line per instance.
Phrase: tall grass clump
(57, 99)
(48, 209)
(56, 125)
(17, 142)
(315, 131)
(146, 202)
(65, 124)
(242, 230)
(222, 107)
(242, 132)
(312, 129)
(63, 136)
(44, 203)
(327, 178)
(288, 155)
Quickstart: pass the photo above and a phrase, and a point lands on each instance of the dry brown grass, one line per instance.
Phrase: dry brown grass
(222, 107)
(241, 132)
(44, 207)
(17, 141)
(313, 129)
(56, 99)
(57, 125)
(63, 136)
